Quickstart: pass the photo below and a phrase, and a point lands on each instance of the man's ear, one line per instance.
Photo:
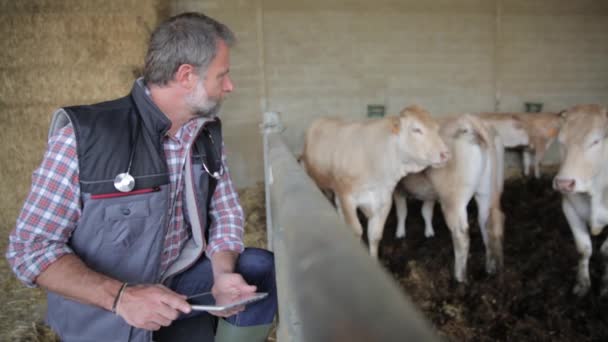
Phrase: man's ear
(186, 76)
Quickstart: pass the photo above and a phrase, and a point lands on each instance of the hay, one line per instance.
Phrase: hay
(254, 207)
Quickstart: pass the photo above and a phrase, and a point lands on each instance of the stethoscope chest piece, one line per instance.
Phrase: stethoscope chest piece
(124, 182)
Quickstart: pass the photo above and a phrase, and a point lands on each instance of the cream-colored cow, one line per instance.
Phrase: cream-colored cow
(361, 162)
(475, 169)
(533, 132)
(583, 181)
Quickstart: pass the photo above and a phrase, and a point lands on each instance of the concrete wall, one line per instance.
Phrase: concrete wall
(555, 52)
(333, 57)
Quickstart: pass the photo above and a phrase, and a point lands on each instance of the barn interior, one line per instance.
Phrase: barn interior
(355, 60)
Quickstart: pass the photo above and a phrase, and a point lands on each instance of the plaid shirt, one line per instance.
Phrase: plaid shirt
(52, 208)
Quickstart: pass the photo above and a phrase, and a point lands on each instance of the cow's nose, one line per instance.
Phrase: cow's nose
(564, 184)
(444, 156)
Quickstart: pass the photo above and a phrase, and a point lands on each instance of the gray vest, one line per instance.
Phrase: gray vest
(118, 234)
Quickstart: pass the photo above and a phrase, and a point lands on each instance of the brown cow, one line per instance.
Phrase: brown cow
(583, 181)
(474, 170)
(533, 132)
(361, 162)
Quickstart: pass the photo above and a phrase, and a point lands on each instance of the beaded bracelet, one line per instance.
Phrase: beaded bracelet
(118, 296)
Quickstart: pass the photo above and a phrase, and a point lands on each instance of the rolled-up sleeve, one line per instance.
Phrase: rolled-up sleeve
(227, 222)
(50, 212)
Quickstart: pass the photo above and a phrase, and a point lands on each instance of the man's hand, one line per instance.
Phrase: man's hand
(151, 306)
(227, 287)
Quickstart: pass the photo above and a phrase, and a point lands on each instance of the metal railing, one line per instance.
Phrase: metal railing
(329, 288)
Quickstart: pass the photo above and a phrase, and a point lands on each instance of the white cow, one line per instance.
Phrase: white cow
(474, 170)
(361, 162)
(532, 132)
(583, 181)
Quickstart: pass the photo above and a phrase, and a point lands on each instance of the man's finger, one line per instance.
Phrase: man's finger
(151, 326)
(168, 312)
(249, 288)
(176, 302)
(161, 320)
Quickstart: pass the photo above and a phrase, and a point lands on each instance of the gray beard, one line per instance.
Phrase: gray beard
(210, 110)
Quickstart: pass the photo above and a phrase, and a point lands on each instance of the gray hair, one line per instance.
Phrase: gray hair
(187, 38)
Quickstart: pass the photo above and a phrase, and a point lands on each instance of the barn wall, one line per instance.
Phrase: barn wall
(555, 52)
(334, 57)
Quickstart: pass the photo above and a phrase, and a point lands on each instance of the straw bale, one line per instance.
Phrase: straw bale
(62, 86)
(69, 25)
(145, 7)
(64, 41)
(213, 7)
(80, 51)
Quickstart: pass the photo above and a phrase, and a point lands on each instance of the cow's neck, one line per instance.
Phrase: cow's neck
(599, 200)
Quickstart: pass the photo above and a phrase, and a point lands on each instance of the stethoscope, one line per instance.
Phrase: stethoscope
(216, 174)
(124, 182)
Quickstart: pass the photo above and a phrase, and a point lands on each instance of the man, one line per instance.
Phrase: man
(133, 209)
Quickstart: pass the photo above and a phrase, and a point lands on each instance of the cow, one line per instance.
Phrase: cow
(475, 169)
(583, 181)
(532, 132)
(362, 161)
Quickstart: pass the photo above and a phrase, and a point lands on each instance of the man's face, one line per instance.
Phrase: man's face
(208, 94)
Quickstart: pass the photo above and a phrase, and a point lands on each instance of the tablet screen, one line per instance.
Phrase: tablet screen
(207, 302)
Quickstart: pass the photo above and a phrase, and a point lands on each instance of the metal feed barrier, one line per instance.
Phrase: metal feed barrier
(329, 288)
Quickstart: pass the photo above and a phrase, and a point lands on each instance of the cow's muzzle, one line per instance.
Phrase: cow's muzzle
(444, 157)
(565, 185)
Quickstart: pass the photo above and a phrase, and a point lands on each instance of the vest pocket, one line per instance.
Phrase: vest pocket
(127, 222)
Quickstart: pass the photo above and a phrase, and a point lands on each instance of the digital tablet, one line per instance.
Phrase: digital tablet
(207, 302)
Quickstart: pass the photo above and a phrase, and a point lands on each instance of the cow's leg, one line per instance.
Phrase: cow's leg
(483, 213)
(349, 210)
(494, 251)
(541, 145)
(338, 206)
(537, 159)
(331, 196)
(527, 159)
(456, 219)
(491, 224)
(375, 227)
(401, 209)
(583, 246)
(427, 214)
(604, 251)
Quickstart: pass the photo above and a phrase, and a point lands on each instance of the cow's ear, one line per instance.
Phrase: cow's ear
(411, 109)
(395, 124)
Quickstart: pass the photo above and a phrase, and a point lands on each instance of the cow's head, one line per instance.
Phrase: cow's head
(465, 127)
(582, 143)
(419, 138)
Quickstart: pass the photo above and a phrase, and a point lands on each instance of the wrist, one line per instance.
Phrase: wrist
(223, 262)
(118, 297)
(109, 288)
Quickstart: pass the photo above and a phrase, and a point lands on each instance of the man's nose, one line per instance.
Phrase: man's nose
(228, 85)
